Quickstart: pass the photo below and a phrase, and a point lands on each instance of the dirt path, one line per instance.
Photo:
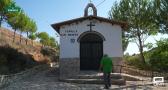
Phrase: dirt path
(48, 80)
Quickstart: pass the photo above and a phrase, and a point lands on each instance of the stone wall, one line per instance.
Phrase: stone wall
(7, 35)
(137, 72)
(69, 67)
(117, 61)
(7, 79)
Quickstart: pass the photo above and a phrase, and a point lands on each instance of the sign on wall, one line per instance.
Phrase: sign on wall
(70, 34)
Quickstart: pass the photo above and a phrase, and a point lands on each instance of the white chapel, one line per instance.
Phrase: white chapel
(84, 40)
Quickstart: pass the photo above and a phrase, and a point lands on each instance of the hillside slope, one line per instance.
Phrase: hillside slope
(23, 56)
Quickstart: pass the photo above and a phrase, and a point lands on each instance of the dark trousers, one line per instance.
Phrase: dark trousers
(107, 79)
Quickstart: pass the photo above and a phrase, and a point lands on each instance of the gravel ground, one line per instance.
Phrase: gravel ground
(46, 81)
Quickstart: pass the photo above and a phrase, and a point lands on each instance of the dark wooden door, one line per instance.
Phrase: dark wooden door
(91, 52)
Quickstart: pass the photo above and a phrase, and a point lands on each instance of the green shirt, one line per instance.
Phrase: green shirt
(107, 64)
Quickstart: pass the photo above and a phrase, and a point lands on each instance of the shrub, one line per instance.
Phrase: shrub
(12, 61)
(159, 56)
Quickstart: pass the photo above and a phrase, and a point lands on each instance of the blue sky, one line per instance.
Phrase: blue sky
(47, 12)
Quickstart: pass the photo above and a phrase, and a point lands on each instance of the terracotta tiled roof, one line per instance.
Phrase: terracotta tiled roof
(57, 26)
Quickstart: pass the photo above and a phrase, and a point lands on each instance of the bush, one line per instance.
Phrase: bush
(51, 53)
(3, 65)
(136, 62)
(159, 56)
(133, 61)
(12, 61)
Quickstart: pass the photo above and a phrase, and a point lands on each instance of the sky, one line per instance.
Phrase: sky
(47, 12)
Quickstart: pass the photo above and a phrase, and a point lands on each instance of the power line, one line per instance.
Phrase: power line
(97, 4)
(90, 1)
(100, 3)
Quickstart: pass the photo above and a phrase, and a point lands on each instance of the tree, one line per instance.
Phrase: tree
(53, 42)
(161, 10)
(27, 27)
(33, 37)
(140, 17)
(31, 28)
(115, 13)
(158, 56)
(18, 20)
(44, 38)
(3, 5)
(13, 21)
(22, 24)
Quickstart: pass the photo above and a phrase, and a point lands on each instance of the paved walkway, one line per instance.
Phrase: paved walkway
(48, 80)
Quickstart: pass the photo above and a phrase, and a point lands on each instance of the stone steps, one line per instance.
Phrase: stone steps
(116, 79)
(113, 76)
(94, 81)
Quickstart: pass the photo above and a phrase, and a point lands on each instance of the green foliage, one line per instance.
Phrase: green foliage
(43, 35)
(53, 42)
(13, 20)
(116, 14)
(161, 9)
(3, 5)
(159, 56)
(156, 58)
(12, 8)
(140, 16)
(148, 46)
(32, 36)
(46, 40)
(135, 61)
(18, 20)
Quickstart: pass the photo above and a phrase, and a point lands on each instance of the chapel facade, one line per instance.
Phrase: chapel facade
(84, 40)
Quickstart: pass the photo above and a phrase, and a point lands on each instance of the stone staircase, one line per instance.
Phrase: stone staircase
(95, 78)
(48, 79)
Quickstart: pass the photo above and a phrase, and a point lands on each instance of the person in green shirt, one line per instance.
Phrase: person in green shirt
(106, 65)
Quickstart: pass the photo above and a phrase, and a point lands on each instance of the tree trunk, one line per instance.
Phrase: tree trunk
(14, 35)
(32, 42)
(0, 20)
(0, 24)
(140, 47)
(20, 37)
(27, 37)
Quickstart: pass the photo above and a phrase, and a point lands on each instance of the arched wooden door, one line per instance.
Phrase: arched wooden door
(91, 51)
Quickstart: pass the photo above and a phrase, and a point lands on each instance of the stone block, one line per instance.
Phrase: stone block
(117, 62)
(69, 67)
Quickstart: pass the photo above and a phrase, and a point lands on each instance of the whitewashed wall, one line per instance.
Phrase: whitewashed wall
(111, 46)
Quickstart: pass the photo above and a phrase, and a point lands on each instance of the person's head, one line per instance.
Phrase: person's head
(105, 55)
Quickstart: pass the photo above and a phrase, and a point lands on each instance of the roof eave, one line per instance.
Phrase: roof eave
(57, 26)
